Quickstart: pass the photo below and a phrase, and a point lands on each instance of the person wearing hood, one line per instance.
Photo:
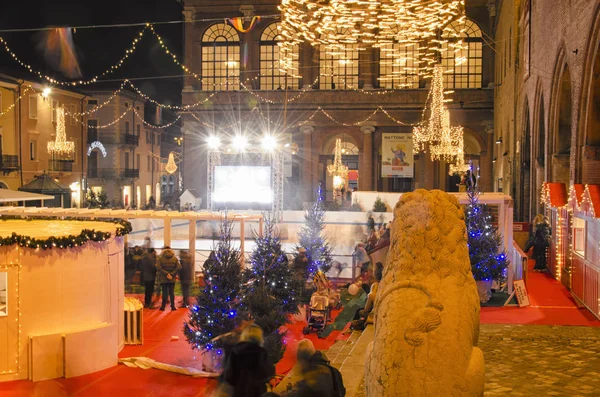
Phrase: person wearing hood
(248, 368)
(187, 276)
(148, 276)
(168, 266)
(316, 376)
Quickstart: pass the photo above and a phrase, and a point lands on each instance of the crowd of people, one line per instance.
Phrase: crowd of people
(144, 266)
(248, 371)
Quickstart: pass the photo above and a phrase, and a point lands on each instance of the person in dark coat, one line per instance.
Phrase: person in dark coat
(248, 369)
(187, 276)
(148, 276)
(317, 376)
(539, 239)
(168, 267)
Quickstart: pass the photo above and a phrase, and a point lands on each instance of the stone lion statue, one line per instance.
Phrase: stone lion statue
(427, 307)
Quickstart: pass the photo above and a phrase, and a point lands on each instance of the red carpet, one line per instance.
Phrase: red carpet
(134, 382)
(551, 304)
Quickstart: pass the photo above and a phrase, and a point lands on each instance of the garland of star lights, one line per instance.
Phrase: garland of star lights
(123, 228)
(94, 79)
(12, 105)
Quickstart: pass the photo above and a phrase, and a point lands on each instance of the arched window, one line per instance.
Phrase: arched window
(462, 66)
(338, 69)
(399, 66)
(220, 58)
(272, 77)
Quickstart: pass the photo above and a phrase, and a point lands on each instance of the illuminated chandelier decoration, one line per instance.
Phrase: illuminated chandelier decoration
(445, 142)
(338, 170)
(334, 24)
(60, 144)
(171, 167)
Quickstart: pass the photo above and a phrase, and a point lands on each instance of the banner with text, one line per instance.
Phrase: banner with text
(397, 156)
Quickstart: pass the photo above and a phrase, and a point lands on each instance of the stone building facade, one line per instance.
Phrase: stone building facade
(28, 122)
(547, 98)
(123, 149)
(354, 104)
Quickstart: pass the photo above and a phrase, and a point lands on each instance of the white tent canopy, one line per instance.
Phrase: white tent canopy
(10, 196)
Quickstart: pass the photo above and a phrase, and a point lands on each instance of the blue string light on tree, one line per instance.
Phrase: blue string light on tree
(488, 260)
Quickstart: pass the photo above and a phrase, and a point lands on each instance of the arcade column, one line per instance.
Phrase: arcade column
(307, 169)
(365, 175)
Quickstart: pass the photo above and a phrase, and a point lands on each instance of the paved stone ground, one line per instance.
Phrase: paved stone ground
(537, 360)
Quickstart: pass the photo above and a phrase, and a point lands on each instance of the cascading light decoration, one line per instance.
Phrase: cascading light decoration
(338, 170)
(445, 142)
(171, 167)
(60, 144)
(392, 25)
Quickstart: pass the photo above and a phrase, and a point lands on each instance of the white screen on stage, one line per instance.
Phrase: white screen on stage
(242, 185)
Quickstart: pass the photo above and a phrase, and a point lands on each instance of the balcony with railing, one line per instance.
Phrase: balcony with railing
(9, 162)
(113, 138)
(60, 165)
(113, 173)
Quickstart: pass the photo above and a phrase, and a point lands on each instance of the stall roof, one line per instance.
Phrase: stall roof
(45, 184)
(594, 192)
(10, 196)
(579, 189)
(556, 194)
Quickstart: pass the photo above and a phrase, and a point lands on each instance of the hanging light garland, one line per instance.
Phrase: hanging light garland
(445, 142)
(60, 144)
(338, 170)
(392, 25)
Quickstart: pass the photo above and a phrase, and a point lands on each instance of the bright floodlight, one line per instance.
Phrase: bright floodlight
(268, 142)
(239, 142)
(46, 91)
(213, 142)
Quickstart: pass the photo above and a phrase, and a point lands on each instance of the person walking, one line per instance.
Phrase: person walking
(248, 368)
(187, 276)
(148, 276)
(539, 239)
(168, 267)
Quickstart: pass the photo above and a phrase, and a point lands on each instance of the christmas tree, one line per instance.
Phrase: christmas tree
(311, 238)
(488, 260)
(216, 307)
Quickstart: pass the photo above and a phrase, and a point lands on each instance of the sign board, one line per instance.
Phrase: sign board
(521, 293)
(397, 156)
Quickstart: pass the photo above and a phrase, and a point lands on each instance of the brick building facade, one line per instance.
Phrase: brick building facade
(225, 107)
(546, 101)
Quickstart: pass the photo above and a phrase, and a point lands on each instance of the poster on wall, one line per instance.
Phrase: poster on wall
(397, 156)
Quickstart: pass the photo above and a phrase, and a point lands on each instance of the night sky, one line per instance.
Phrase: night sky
(99, 48)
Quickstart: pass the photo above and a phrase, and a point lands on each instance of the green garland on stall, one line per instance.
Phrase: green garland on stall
(65, 241)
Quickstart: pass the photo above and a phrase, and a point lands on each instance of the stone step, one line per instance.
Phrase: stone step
(353, 366)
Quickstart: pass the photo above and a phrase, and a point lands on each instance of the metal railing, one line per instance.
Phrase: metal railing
(113, 173)
(60, 165)
(113, 138)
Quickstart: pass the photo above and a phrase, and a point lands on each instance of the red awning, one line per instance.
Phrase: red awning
(579, 189)
(594, 192)
(557, 194)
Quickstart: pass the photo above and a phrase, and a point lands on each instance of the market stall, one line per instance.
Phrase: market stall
(555, 199)
(63, 302)
(585, 234)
